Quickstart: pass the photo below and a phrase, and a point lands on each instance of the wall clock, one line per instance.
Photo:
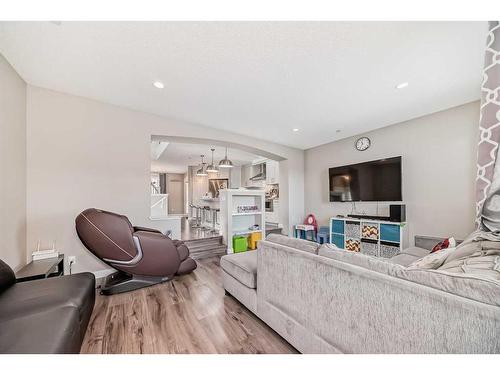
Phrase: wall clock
(363, 143)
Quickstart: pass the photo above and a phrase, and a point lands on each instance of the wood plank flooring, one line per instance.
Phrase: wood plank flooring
(190, 314)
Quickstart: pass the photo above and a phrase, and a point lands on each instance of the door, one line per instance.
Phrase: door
(175, 196)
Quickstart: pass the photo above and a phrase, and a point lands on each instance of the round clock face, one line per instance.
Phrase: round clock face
(363, 143)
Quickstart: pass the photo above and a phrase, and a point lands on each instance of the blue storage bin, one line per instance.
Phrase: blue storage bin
(338, 240)
(338, 226)
(390, 232)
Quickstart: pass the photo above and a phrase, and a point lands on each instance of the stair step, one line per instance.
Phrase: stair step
(209, 240)
(218, 238)
(217, 251)
(203, 243)
(205, 248)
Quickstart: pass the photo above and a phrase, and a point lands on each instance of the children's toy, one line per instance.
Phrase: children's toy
(310, 227)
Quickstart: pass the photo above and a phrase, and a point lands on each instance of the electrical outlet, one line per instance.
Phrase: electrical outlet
(72, 260)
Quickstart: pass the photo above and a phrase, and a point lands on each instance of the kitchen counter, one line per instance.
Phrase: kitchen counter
(166, 223)
(209, 199)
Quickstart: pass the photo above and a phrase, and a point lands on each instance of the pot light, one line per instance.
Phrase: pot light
(158, 84)
(402, 85)
(295, 130)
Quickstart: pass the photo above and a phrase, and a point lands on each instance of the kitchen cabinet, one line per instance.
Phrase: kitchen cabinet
(246, 173)
(272, 172)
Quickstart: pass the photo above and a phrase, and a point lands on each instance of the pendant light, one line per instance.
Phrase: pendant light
(225, 163)
(201, 172)
(211, 167)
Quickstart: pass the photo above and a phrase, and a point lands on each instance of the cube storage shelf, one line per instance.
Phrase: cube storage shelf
(370, 237)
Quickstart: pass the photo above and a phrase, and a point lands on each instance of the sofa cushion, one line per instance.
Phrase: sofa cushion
(77, 291)
(433, 260)
(415, 251)
(7, 276)
(296, 243)
(468, 286)
(408, 256)
(403, 259)
(44, 332)
(381, 265)
(241, 266)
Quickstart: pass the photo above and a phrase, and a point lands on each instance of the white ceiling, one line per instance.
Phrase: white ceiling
(178, 156)
(260, 79)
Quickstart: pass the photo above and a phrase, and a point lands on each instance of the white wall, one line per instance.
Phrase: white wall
(439, 154)
(12, 166)
(83, 153)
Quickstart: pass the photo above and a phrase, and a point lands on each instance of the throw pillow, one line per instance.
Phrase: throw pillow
(445, 244)
(431, 261)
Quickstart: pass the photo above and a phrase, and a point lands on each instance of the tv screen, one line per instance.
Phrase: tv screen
(378, 180)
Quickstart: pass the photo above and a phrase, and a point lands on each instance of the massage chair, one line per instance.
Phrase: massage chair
(141, 256)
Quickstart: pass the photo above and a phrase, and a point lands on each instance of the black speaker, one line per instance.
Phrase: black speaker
(397, 213)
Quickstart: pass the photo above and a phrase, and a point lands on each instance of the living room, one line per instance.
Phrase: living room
(175, 187)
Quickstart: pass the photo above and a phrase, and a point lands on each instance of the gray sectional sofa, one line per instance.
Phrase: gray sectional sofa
(324, 300)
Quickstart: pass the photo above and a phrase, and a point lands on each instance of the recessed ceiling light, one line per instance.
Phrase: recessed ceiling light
(158, 84)
(295, 130)
(402, 85)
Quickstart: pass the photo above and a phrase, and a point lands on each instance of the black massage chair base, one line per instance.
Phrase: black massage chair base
(120, 282)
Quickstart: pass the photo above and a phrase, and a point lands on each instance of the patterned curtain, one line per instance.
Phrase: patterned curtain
(488, 171)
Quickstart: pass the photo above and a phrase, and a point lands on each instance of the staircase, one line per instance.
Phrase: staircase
(206, 247)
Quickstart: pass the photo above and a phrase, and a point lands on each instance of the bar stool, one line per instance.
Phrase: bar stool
(197, 219)
(214, 220)
(204, 217)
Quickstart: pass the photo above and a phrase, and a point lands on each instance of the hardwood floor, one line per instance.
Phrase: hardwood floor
(190, 314)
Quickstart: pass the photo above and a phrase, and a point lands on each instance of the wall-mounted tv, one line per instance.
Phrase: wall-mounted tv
(378, 180)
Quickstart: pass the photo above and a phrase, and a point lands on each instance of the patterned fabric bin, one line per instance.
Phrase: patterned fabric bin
(370, 231)
(352, 230)
(388, 251)
(353, 245)
(369, 248)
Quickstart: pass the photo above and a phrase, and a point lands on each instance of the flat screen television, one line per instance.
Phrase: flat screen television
(378, 180)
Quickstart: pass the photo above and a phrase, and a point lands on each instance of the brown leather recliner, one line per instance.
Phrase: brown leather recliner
(142, 256)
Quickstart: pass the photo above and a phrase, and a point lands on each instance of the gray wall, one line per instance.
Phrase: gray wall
(439, 155)
(12, 166)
